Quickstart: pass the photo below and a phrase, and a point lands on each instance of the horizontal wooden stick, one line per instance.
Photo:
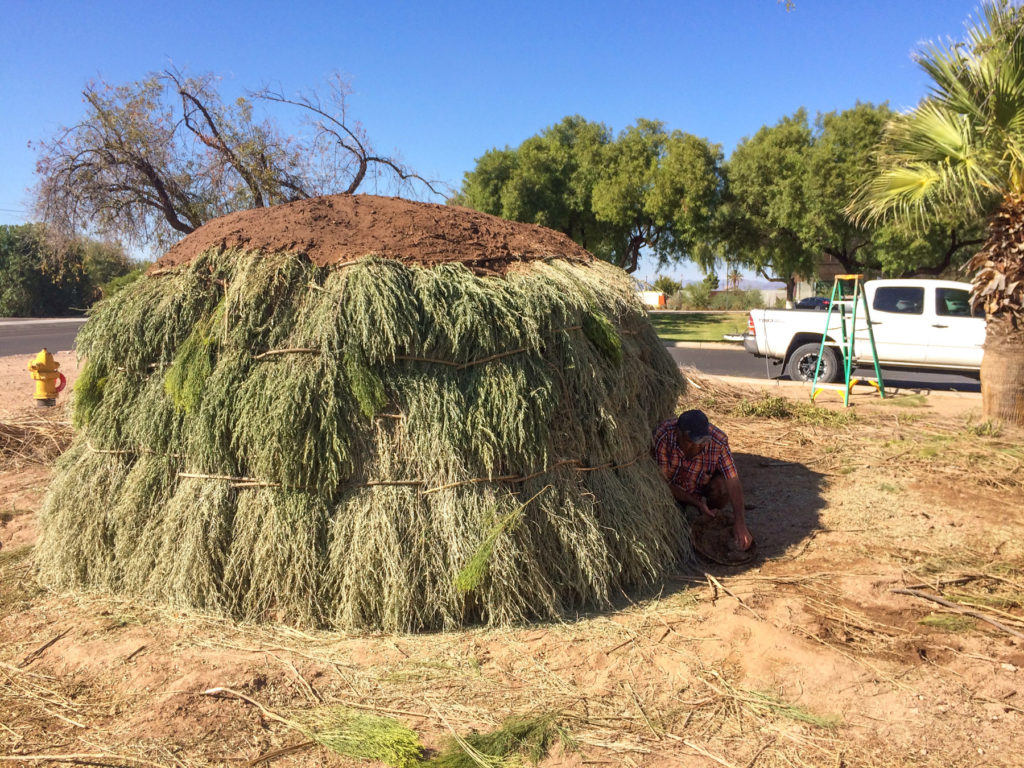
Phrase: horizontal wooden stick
(290, 350)
(957, 609)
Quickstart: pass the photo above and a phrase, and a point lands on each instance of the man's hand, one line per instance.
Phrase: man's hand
(705, 509)
(742, 537)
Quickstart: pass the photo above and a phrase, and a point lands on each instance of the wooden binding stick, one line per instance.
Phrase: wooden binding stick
(957, 609)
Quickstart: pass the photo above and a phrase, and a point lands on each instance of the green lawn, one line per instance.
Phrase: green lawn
(697, 326)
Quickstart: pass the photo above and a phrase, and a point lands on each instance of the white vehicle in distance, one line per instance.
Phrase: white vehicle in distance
(918, 324)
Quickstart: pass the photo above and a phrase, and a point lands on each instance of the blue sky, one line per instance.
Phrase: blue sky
(440, 83)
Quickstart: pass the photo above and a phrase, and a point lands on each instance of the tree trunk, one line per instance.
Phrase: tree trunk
(1002, 370)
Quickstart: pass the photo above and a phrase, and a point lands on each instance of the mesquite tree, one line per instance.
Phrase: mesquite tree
(153, 160)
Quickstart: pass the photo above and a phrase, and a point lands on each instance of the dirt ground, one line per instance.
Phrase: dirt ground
(339, 228)
(807, 657)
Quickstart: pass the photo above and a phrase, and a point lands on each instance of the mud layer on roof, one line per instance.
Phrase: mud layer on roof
(340, 228)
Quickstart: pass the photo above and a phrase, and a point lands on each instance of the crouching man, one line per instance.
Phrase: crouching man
(695, 459)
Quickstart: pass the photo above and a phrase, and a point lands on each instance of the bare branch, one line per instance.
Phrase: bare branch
(214, 140)
(155, 159)
(347, 136)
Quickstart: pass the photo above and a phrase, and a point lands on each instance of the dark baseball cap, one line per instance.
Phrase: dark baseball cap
(695, 425)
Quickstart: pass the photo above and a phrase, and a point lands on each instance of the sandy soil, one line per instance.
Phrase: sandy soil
(339, 228)
(807, 657)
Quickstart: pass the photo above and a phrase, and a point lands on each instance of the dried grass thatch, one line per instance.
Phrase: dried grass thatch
(375, 445)
(33, 437)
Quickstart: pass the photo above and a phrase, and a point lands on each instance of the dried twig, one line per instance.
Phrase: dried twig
(733, 595)
(291, 350)
(700, 750)
(41, 649)
(268, 756)
(221, 692)
(81, 759)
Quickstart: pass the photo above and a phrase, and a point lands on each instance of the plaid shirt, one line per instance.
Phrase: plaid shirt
(691, 474)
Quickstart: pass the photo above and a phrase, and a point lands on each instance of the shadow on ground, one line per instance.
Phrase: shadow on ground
(917, 382)
(784, 501)
(786, 498)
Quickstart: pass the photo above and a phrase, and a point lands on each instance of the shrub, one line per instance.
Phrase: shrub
(676, 301)
(695, 296)
(666, 285)
(737, 300)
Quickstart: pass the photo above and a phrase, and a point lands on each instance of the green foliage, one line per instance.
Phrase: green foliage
(361, 735)
(27, 287)
(518, 738)
(88, 393)
(660, 190)
(737, 300)
(696, 296)
(647, 187)
(789, 188)
(767, 407)
(958, 158)
(666, 285)
(192, 366)
(115, 284)
(958, 153)
(350, 480)
(949, 622)
(102, 263)
(764, 701)
(602, 334)
(986, 428)
(39, 278)
(367, 388)
(472, 576)
(773, 407)
(766, 174)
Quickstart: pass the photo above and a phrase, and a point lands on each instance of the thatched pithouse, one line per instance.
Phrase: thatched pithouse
(368, 412)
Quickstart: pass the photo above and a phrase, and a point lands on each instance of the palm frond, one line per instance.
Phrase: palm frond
(961, 148)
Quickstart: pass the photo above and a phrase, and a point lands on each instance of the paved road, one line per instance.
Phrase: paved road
(729, 362)
(26, 337)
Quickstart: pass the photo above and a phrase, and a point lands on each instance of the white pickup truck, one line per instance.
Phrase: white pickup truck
(917, 323)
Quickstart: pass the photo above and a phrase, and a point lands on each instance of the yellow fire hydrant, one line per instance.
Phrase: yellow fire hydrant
(44, 371)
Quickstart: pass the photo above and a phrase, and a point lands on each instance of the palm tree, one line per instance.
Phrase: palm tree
(960, 153)
(733, 278)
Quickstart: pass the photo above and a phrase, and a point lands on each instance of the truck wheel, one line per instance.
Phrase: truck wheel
(801, 364)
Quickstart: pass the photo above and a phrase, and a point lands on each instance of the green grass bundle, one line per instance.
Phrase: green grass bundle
(361, 735)
(519, 741)
(370, 445)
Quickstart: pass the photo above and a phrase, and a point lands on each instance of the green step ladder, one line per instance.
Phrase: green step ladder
(847, 301)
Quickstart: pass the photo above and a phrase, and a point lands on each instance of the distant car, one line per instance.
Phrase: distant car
(814, 302)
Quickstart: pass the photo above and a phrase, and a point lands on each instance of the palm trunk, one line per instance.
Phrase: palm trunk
(1002, 370)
